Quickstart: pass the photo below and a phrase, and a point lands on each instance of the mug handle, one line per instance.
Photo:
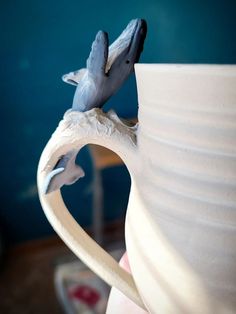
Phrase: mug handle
(74, 131)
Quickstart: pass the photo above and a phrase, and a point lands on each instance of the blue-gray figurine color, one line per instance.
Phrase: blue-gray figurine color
(107, 69)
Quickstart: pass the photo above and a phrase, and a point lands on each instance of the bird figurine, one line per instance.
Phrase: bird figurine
(106, 70)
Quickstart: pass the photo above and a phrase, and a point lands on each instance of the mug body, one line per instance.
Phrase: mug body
(181, 219)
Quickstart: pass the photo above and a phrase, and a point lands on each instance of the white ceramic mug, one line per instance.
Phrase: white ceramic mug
(181, 218)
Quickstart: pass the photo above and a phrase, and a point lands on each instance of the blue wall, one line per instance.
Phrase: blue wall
(42, 40)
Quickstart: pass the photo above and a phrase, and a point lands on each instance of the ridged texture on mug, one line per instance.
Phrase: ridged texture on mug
(187, 180)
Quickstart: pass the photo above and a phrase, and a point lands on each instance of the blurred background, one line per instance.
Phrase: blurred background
(41, 41)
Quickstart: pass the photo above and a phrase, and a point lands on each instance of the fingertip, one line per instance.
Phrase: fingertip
(124, 262)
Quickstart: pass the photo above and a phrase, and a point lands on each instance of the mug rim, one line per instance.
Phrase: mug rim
(189, 67)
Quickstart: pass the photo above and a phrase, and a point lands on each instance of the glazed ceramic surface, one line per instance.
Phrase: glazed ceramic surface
(181, 218)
